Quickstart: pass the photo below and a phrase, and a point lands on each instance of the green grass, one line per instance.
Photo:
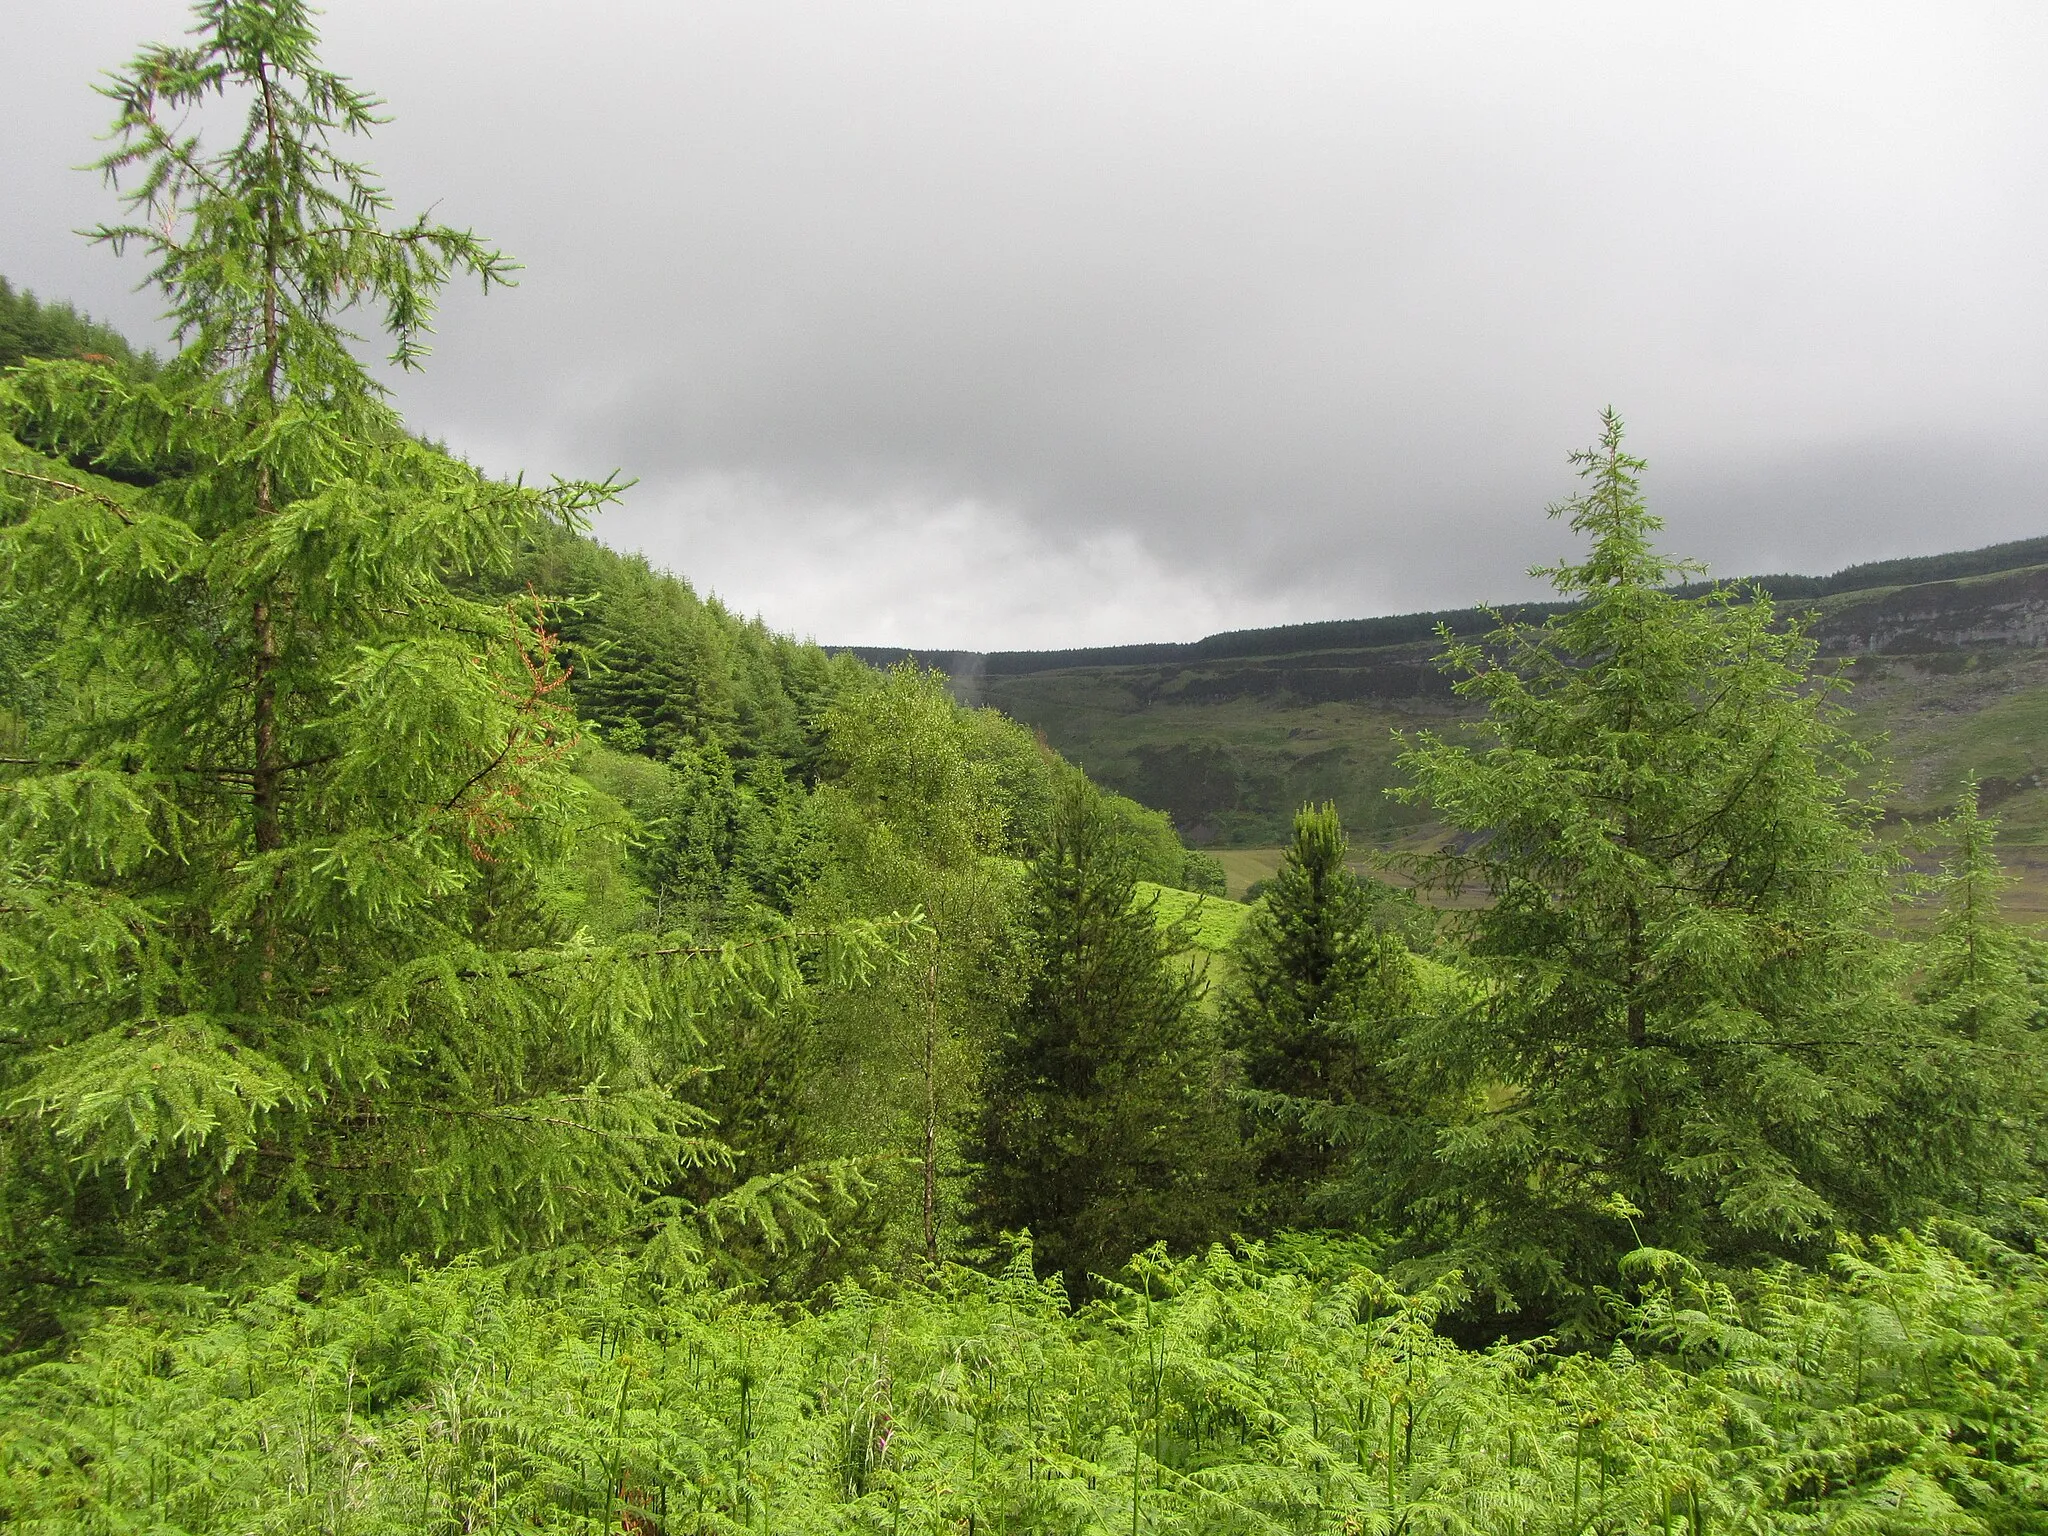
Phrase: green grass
(1935, 725)
(1216, 921)
(1931, 720)
(1230, 772)
(1245, 867)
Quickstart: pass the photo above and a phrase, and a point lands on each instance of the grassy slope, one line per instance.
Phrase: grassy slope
(1216, 921)
(1229, 769)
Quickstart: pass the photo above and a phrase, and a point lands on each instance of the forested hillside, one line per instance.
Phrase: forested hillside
(29, 328)
(1230, 733)
(490, 1041)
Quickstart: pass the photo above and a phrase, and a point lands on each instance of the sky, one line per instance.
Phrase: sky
(974, 325)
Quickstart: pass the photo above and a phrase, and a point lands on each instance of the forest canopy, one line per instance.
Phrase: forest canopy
(491, 1040)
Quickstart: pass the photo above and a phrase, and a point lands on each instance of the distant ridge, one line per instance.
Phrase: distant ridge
(1410, 628)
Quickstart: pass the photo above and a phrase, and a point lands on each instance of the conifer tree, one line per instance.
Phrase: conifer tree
(1973, 971)
(1966, 1117)
(1312, 1017)
(29, 329)
(1102, 1128)
(1689, 1016)
(260, 882)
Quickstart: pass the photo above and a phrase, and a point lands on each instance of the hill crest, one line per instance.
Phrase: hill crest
(1330, 635)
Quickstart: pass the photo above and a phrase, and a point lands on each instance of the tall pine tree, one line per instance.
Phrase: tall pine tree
(1102, 1126)
(272, 937)
(1312, 1016)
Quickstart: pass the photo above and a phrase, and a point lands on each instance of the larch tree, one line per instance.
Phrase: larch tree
(1689, 1015)
(260, 982)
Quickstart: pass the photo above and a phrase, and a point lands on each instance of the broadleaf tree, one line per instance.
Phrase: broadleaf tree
(915, 816)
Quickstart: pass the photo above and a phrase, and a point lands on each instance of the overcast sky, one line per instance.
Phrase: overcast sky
(1046, 324)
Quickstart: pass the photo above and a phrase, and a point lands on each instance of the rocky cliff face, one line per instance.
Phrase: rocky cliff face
(2008, 609)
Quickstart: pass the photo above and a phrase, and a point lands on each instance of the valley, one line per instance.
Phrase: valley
(1945, 658)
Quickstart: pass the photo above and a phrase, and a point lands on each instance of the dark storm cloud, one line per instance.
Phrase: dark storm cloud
(1047, 324)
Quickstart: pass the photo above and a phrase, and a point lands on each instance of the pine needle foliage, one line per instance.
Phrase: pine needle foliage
(660, 669)
(1102, 1125)
(1974, 1100)
(1690, 1017)
(272, 955)
(1313, 1016)
(32, 329)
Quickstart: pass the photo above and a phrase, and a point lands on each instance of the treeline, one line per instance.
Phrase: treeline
(491, 1040)
(1420, 628)
(30, 328)
(1909, 571)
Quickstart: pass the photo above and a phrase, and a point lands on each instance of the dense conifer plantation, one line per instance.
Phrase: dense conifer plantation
(29, 329)
(489, 1041)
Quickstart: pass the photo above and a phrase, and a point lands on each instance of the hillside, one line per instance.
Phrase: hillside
(1230, 733)
(492, 1041)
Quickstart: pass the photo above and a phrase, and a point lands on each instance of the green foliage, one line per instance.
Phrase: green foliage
(1203, 873)
(898, 747)
(1313, 1019)
(1101, 1127)
(915, 814)
(1150, 841)
(332, 936)
(30, 330)
(1286, 1391)
(660, 670)
(719, 844)
(278, 954)
(1690, 1027)
(1975, 1097)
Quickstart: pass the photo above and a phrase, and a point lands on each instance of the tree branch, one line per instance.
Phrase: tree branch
(108, 502)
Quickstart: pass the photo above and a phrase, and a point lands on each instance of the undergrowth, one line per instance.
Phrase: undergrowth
(1285, 1390)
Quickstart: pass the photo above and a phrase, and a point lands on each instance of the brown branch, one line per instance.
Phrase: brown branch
(406, 237)
(483, 773)
(108, 502)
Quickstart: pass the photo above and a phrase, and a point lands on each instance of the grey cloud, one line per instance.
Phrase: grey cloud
(1254, 312)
